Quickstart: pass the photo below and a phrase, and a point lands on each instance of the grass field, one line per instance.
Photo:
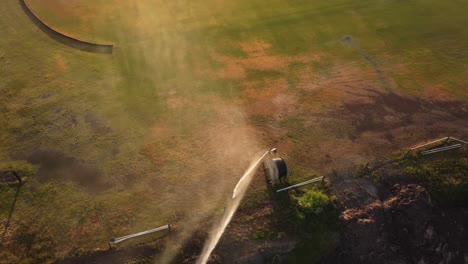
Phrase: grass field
(165, 125)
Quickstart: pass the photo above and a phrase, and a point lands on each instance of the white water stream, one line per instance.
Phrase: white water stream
(231, 208)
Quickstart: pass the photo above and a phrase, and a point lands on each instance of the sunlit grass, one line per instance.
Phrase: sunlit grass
(161, 91)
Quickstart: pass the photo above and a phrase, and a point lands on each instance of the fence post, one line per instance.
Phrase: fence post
(17, 176)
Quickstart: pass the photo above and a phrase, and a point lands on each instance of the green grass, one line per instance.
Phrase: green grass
(165, 57)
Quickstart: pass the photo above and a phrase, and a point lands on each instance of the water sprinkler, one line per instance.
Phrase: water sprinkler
(274, 167)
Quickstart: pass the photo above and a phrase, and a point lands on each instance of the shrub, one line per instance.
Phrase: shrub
(313, 202)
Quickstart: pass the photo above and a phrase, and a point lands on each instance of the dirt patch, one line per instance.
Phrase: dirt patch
(258, 59)
(273, 100)
(389, 216)
(403, 228)
(55, 165)
(255, 48)
(380, 111)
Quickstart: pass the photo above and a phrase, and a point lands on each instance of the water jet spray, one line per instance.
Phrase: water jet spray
(275, 170)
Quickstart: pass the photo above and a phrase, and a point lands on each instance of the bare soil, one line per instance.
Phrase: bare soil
(404, 227)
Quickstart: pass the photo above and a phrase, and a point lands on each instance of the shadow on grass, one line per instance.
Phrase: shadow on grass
(12, 209)
(64, 39)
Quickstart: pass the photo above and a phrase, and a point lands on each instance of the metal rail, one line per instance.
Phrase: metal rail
(302, 183)
(432, 151)
(430, 143)
(117, 240)
(459, 140)
(446, 139)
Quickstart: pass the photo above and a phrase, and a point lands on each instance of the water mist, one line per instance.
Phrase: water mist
(233, 204)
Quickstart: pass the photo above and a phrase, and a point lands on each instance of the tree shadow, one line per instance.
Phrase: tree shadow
(12, 209)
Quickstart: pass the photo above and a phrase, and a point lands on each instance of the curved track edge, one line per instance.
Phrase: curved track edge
(64, 38)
